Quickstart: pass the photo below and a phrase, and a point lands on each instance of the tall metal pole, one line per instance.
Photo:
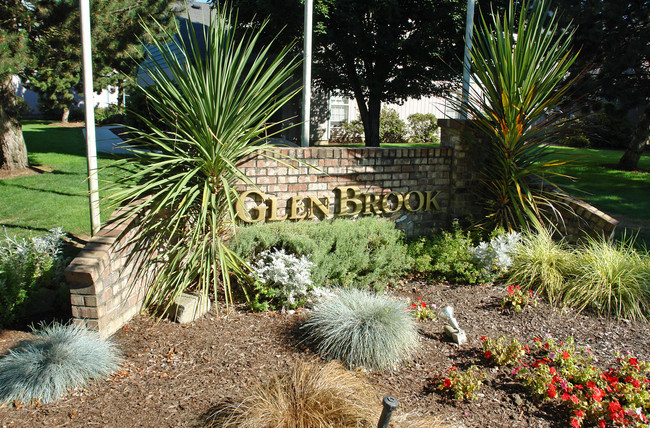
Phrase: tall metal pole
(469, 29)
(89, 104)
(306, 75)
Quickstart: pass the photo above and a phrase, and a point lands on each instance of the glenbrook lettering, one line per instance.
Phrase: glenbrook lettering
(348, 201)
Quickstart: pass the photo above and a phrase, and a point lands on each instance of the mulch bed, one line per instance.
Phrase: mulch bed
(174, 375)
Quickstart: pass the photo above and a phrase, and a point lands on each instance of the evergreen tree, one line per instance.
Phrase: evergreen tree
(116, 32)
(15, 20)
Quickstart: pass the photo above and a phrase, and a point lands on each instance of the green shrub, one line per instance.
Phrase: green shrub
(348, 133)
(362, 329)
(540, 263)
(25, 267)
(611, 278)
(580, 141)
(367, 252)
(392, 129)
(110, 115)
(423, 127)
(448, 256)
(59, 358)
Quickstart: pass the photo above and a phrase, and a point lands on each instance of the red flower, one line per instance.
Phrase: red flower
(487, 355)
(552, 370)
(633, 362)
(530, 292)
(565, 355)
(527, 348)
(598, 395)
(636, 383)
(565, 396)
(483, 338)
(447, 383)
(551, 393)
(602, 423)
(591, 384)
(580, 414)
(575, 423)
(574, 399)
(511, 289)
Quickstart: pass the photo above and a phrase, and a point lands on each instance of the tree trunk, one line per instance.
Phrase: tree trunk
(120, 93)
(13, 152)
(65, 115)
(371, 122)
(630, 159)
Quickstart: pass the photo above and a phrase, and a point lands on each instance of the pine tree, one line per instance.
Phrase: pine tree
(15, 20)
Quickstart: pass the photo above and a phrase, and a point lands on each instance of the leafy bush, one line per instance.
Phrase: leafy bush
(109, 115)
(423, 127)
(611, 278)
(215, 105)
(367, 252)
(348, 133)
(518, 299)
(541, 264)
(501, 351)
(448, 256)
(281, 280)
(495, 257)
(392, 129)
(362, 329)
(25, 267)
(59, 358)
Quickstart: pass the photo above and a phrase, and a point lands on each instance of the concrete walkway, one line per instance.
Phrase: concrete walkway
(107, 141)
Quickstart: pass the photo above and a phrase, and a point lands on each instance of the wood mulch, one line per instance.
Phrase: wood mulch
(174, 375)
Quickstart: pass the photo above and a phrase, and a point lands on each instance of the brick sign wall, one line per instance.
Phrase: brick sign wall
(410, 186)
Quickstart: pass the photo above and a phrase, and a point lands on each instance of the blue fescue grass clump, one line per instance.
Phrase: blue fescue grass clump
(362, 329)
(59, 358)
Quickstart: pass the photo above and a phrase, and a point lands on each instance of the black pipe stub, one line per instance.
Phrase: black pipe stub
(390, 404)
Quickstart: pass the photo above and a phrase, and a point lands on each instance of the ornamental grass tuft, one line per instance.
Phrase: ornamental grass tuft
(362, 329)
(312, 395)
(541, 264)
(57, 359)
(612, 278)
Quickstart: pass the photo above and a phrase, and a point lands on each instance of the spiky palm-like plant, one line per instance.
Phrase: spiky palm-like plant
(519, 76)
(59, 358)
(213, 110)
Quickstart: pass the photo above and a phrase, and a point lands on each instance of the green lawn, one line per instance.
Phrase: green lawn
(621, 194)
(33, 204)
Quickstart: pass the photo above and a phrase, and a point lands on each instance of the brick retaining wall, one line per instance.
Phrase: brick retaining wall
(105, 295)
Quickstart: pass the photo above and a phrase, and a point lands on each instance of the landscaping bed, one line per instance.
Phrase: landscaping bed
(175, 375)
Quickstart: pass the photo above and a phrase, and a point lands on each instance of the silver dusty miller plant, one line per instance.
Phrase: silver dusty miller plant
(287, 274)
(495, 257)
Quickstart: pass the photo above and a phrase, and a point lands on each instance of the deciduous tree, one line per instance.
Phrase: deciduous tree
(375, 50)
(614, 38)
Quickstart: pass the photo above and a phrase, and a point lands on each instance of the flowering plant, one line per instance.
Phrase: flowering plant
(517, 299)
(421, 311)
(462, 385)
(502, 352)
(565, 374)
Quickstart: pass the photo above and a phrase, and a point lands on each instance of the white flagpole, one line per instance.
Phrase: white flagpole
(306, 75)
(89, 104)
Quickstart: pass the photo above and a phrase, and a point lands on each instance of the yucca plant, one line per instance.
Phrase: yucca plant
(59, 358)
(213, 110)
(542, 264)
(613, 278)
(519, 77)
(362, 329)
